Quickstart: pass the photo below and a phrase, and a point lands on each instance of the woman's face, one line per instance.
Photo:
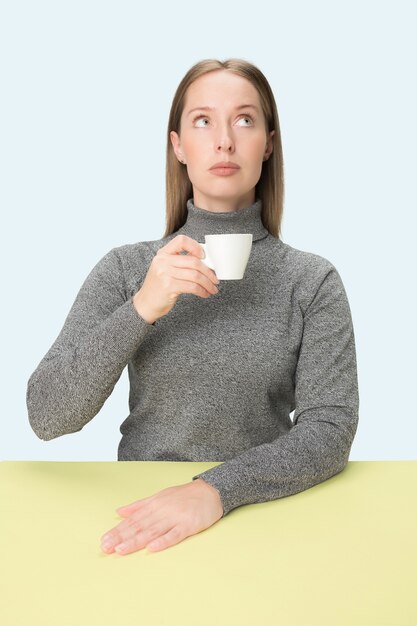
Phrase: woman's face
(227, 131)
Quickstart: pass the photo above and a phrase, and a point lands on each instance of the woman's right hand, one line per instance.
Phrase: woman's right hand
(170, 274)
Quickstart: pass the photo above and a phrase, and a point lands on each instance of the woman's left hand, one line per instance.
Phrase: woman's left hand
(164, 519)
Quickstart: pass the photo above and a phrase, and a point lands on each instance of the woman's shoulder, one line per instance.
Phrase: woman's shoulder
(311, 272)
(303, 262)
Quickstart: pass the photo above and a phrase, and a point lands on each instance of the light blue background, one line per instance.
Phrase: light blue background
(86, 91)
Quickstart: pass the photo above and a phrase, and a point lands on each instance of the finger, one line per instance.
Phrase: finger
(180, 243)
(134, 506)
(128, 528)
(127, 509)
(194, 276)
(141, 539)
(191, 263)
(172, 537)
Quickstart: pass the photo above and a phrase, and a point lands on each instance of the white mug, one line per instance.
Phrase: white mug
(228, 254)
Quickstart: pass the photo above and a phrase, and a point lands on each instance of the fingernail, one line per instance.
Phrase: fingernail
(121, 547)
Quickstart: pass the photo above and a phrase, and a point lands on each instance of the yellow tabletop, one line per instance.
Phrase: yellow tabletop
(341, 553)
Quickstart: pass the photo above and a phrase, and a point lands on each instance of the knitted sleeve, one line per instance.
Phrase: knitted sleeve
(326, 414)
(100, 335)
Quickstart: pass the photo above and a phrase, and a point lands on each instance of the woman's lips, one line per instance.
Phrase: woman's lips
(224, 171)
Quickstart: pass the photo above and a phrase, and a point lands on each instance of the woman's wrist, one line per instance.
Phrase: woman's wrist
(142, 310)
(211, 491)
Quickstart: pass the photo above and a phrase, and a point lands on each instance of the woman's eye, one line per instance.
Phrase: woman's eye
(201, 118)
(247, 117)
(197, 119)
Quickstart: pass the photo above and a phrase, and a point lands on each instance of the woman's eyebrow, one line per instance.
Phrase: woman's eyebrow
(242, 106)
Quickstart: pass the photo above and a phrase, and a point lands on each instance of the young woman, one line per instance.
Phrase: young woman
(215, 369)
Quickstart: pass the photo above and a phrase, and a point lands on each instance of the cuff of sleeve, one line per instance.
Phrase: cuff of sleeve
(219, 477)
(121, 334)
(134, 325)
(137, 314)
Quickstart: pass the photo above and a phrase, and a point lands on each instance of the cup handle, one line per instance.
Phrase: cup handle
(207, 261)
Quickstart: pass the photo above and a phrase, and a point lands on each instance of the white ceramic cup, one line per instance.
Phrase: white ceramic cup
(228, 254)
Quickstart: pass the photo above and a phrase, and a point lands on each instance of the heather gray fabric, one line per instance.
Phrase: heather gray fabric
(215, 379)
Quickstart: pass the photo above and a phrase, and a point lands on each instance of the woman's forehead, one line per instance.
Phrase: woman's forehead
(220, 90)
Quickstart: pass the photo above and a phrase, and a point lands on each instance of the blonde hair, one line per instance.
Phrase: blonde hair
(270, 187)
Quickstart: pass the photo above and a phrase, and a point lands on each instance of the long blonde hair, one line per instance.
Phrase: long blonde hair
(270, 187)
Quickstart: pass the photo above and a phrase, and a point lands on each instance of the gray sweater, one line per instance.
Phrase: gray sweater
(216, 378)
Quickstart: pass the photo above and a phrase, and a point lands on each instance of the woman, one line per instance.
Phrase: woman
(214, 374)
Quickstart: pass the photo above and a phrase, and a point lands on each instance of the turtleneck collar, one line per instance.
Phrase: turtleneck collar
(202, 222)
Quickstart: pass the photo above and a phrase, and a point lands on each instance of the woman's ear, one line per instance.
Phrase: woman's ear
(175, 140)
(269, 146)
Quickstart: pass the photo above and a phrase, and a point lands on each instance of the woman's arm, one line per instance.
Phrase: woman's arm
(100, 335)
(326, 412)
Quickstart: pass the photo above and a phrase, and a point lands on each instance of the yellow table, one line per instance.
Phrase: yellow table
(341, 553)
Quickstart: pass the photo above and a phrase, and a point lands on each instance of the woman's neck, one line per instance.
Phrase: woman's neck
(223, 205)
(202, 222)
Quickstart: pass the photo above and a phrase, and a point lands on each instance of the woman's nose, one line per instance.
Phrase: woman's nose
(225, 142)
